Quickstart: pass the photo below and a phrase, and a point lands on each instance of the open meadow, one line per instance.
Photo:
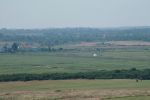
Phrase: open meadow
(74, 50)
(76, 90)
(74, 61)
(77, 59)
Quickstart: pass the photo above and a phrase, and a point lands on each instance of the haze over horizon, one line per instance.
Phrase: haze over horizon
(73, 13)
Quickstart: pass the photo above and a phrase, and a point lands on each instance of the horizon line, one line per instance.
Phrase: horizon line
(73, 27)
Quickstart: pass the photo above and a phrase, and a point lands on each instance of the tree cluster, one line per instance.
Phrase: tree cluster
(11, 49)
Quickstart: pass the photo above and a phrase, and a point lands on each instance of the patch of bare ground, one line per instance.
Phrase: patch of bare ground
(86, 44)
(72, 94)
(130, 43)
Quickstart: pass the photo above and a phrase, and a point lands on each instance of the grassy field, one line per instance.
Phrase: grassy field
(76, 90)
(79, 60)
(112, 55)
(72, 61)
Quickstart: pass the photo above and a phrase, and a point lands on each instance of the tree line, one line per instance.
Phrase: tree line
(56, 36)
(103, 74)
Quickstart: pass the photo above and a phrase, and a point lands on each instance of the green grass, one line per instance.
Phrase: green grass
(72, 61)
(73, 84)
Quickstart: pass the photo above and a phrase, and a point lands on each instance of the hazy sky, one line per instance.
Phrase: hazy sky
(73, 13)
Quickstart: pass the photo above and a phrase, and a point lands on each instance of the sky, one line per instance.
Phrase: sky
(74, 13)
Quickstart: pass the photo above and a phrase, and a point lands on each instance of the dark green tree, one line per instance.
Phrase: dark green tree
(14, 47)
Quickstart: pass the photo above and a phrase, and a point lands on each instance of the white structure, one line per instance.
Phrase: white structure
(94, 55)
